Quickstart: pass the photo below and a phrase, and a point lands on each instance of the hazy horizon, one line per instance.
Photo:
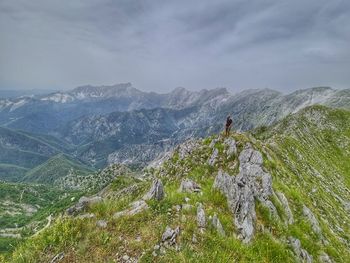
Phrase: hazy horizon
(158, 46)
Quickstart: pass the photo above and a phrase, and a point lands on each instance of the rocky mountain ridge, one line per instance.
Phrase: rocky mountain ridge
(283, 191)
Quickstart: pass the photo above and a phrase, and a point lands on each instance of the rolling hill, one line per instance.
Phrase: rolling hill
(55, 168)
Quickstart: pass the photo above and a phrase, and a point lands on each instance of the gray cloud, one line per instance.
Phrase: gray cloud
(158, 45)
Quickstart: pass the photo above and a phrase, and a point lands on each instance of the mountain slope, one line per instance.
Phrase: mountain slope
(55, 168)
(21, 151)
(283, 190)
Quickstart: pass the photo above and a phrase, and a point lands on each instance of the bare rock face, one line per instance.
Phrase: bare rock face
(156, 192)
(285, 204)
(83, 204)
(312, 219)
(301, 253)
(201, 221)
(251, 184)
(217, 225)
(189, 186)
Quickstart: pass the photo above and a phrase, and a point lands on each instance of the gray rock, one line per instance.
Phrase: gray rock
(186, 148)
(201, 221)
(285, 205)
(136, 207)
(213, 157)
(156, 192)
(324, 258)
(187, 207)
(251, 184)
(189, 186)
(217, 225)
(312, 219)
(170, 235)
(301, 253)
(224, 182)
(213, 142)
(231, 146)
(86, 216)
(101, 223)
(57, 258)
(83, 204)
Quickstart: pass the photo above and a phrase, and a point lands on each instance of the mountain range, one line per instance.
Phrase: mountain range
(121, 124)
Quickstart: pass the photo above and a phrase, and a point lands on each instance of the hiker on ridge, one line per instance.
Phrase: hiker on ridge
(228, 125)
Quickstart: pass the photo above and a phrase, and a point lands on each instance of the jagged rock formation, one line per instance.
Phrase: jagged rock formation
(251, 184)
(156, 192)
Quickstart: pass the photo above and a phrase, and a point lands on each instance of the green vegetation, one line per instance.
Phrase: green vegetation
(308, 157)
(56, 167)
(24, 208)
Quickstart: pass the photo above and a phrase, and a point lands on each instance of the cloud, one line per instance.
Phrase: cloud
(158, 45)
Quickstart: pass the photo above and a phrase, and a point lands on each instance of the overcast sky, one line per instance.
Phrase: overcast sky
(159, 45)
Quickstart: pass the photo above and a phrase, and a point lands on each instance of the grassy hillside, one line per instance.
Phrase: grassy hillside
(21, 151)
(307, 156)
(24, 209)
(55, 168)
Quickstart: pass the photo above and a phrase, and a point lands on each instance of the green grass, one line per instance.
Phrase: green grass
(56, 167)
(307, 155)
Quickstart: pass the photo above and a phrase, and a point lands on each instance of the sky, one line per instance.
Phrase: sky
(158, 45)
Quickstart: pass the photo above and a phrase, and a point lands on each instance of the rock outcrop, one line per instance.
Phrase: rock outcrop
(201, 221)
(135, 208)
(251, 184)
(284, 201)
(156, 192)
(189, 186)
(312, 219)
(217, 225)
(83, 204)
(231, 146)
(301, 253)
(213, 157)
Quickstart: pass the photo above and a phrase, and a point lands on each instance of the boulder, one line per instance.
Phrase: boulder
(136, 207)
(201, 221)
(170, 235)
(217, 225)
(156, 192)
(83, 204)
(189, 186)
(101, 223)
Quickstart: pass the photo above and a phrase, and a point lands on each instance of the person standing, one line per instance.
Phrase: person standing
(228, 125)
